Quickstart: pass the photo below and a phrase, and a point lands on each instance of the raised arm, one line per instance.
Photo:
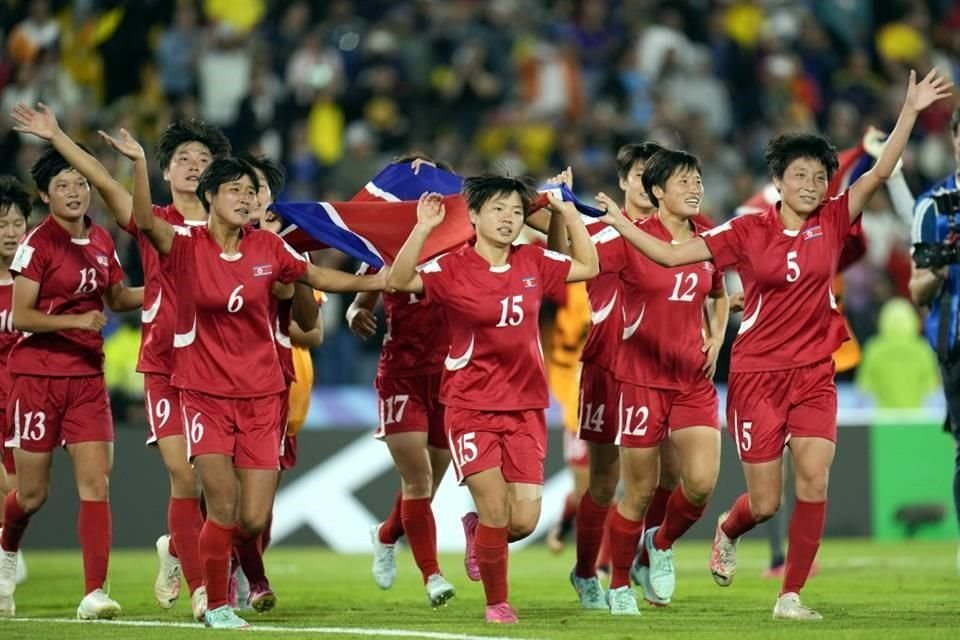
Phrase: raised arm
(663, 253)
(334, 280)
(919, 96)
(120, 298)
(26, 316)
(403, 274)
(42, 123)
(158, 231)
(583, 255)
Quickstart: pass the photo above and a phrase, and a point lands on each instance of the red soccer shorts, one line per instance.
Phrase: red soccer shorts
(513, 441)
(288, 452)
(45, 413)
(6, 453)
(598, 405)
(247, 429)
(648, 415)
(411, 404)
(163, 408)
(575, 451)
(767, 408)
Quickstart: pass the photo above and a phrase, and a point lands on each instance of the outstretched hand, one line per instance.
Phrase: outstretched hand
(125, 144)
(430, 210)
(40, 122)
(932, 88)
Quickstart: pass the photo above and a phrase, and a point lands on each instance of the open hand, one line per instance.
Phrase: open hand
(40, 122)
(932, 88)
(431, 210)
(125, 144)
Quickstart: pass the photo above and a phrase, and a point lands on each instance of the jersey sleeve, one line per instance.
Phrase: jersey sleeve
(290, 265)
(836, 214)
(727, 242)
(31, 259)
(115, 270)
(179, 249)
(437, 278)
(554, 268)
(924, 221)
(716, 282)
(611, 250)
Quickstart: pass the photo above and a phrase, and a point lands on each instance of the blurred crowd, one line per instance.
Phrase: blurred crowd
(336, 88)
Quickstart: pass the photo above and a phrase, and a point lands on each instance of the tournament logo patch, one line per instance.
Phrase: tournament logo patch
(813, 232)
(103, 261)
(529, 282)
(262, 270)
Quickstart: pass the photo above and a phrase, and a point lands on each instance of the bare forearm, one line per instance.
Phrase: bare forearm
(337, 281)
(582, 248)
(305, 309)
(403, 273)
(720, 316)
(305, 339)
(126, 299)
(366, 300)
(557, 238)
(34, 321)
(924, 286)
(895, 144)
(117, 199)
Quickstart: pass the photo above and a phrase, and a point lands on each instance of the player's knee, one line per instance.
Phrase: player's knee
(520, 530)
(95, 488)
(184, 483)
(418, 486)
(31, 499)
(699, 490)
(603, 487)
(764, 508)
(253, 524)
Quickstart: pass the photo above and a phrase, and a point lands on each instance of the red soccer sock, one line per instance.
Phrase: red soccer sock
(803, 541)
(184, 521)
(590, 518)
(392, 527)
(657, 508)
(491, 546)
(624, 537)
(15, 523)
(603, 558)
(569, 509)
(421, 530)
(265, 534)
(249, 554)
(681, 515)
(94, 529)
(740, 519)
(216, 546)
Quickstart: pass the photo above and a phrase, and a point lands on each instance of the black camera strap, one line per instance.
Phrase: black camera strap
(944, 350)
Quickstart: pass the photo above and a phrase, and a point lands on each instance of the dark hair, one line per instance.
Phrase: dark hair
(409, 157)
(663, 165)
(48, 165)
(786, 148)
(478, 190)
(632, 153)
(183, 131)
(222, 170)
(955, 121)
(14, 194)
(275, 174)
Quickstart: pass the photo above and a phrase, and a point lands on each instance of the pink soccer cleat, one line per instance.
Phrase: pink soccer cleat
(470, 522)
(501, 613)
(262, 599)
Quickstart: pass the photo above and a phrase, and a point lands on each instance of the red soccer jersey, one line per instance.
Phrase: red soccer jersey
(73, 274)
(416, 341)
(495, 361)
(606, 298)
(8, 335)
(282, 314)
(159, 297)
(663, 317)
(790, 317)
(225, 342)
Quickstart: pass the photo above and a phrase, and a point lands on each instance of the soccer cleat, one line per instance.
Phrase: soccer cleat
(224, 618)
(788, 607)
(439, 591)
(640, 574)
(8, 573)
(198, 602)
(262, 599)
(7, 606)
(661, 575)
(384, 562)
(623, 602)
(470, 522)
(723, 555)
(241, 589)
(589, 591)
(501, 613)
(167, 586)
(97, 605)
(21, 568)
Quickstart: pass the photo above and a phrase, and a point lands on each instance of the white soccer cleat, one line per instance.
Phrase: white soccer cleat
(243, 590)
(198, 602)
(21, 568)
(7, 607)
(439, 590)
(723, 555)
(97, 605)
(167, 586)
(662, 577)
(8, 573)
(384, 561)
(788, 607)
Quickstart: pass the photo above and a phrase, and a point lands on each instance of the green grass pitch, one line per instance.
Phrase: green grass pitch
(864, 590)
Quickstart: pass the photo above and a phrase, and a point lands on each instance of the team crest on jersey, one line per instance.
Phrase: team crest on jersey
(708, 266)
(103, 261)
(529, 282)
(262, 270)
(813, 232)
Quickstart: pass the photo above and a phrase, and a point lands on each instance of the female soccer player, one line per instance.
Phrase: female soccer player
(781, 388)
(184, 150)
(494, 389)
(666, 388)
(15, 207)
(225, 329)
(65, 269)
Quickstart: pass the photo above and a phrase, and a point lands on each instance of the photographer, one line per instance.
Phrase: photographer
(935, 284)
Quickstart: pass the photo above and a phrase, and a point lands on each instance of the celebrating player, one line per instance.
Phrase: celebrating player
(490, 292)
(184, 150)
(233, 420)
(64, 271)
(781, 388)
(666, 387)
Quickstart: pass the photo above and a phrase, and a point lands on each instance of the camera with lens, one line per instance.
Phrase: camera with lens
(933, 255)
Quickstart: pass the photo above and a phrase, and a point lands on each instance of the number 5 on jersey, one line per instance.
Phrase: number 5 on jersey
(793, 269)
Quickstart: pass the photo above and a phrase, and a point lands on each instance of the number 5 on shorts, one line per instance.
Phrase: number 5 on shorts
(746, 438)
